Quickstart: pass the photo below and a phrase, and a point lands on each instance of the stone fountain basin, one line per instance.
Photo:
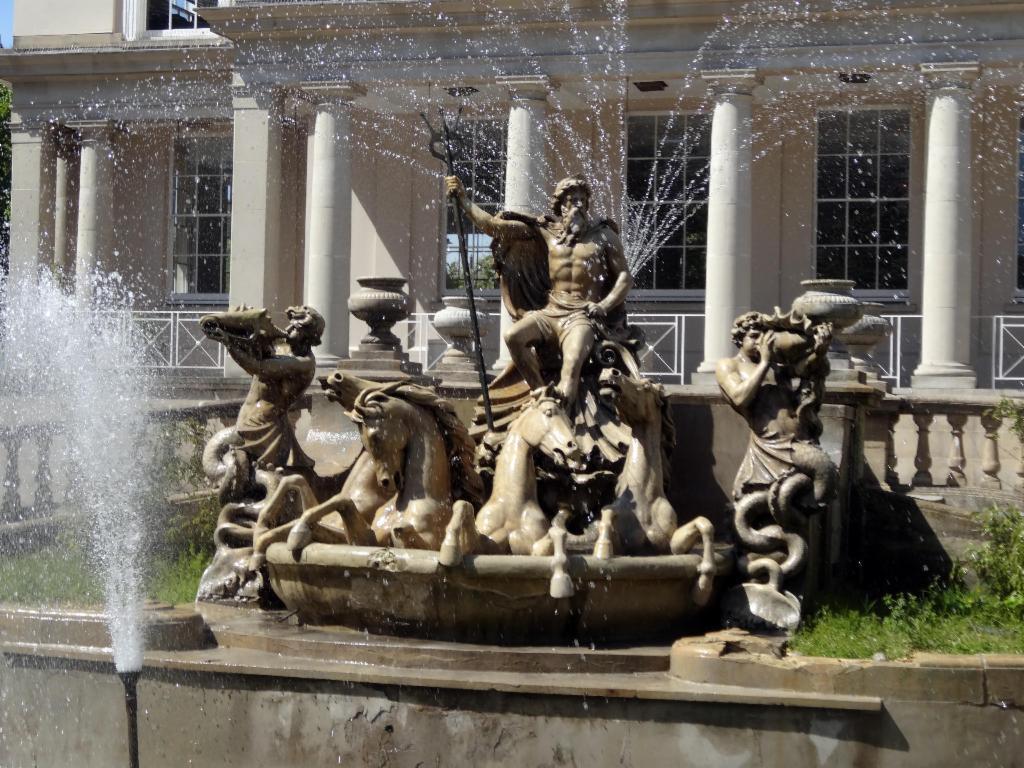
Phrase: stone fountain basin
(500, 599)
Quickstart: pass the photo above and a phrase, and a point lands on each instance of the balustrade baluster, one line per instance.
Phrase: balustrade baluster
(1020, 467)
(892, 476)
(12, 499)
(990, 465)
(923, 456)
(42, 501)
(956, 478)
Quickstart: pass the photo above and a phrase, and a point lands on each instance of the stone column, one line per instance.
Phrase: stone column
(948, 244)
(256, 207)
(64, 148)
(255, 210)
(727, 280)
(32, 160)
(329, 216)
(526, 168)
(95, 236)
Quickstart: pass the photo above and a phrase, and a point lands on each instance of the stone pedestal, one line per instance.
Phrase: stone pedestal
(458, 365)
(860, 338)
(380, 302)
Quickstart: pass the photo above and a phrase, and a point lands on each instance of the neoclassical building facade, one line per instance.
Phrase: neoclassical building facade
(269, 153)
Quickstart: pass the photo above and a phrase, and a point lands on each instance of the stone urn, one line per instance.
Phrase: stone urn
(454, 323)
(380, 302)
(832, 301)
(863, 336)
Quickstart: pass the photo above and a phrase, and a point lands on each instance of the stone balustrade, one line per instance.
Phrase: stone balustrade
(29, 493)
(930, 442)
(36, 467)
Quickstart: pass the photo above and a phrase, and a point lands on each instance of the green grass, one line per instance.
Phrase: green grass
(60, 576)
(57, 575)
(947, 618)
(176, 581)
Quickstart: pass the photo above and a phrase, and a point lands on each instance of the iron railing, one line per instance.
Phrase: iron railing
(172, 340)
(1007, 351)
(674, 344)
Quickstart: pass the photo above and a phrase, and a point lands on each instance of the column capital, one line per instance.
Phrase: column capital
(256, 94)
(93, 130)
(731, 81)
(333, 93)
(950, 74)
(527, 87)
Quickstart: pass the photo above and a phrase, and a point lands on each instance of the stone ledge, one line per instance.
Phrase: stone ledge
(983, 680)
(258, 664)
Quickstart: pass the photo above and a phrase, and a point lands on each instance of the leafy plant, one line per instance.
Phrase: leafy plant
(999, 562)
(484, 274)
(1011, 409)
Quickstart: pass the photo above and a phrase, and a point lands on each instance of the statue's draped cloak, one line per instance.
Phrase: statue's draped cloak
(268, 436)
(769, 455)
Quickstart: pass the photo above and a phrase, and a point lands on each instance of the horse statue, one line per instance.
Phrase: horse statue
(512, 521)
(641, 520)
(416, 462)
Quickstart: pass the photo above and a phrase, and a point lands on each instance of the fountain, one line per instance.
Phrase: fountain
(546, 521)
(533, 546)
(89, 376)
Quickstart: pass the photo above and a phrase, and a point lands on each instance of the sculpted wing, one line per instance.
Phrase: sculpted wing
(522, 265)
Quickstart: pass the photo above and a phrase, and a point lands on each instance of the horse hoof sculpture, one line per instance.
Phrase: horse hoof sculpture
(551, 521)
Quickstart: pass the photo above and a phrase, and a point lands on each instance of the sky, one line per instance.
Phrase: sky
(6, 21)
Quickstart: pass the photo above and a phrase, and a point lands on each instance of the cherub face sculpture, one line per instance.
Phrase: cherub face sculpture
(305, 326)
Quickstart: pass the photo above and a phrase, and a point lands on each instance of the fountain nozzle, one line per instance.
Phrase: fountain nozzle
(130, 681)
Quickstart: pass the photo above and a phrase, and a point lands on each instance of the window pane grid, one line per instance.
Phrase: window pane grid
(201, 215)
(176, 14)
(862, 197)
(1020, 205)
(480, 163)
(667, 170)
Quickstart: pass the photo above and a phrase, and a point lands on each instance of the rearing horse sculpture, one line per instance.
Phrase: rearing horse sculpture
(417, 461)
(512, 520)
(641, 519)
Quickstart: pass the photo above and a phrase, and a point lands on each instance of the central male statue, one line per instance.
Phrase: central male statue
(567, 304)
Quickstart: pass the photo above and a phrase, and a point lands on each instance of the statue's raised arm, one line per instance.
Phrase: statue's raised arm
(495, 226)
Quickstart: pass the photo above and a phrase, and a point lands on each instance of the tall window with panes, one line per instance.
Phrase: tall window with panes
(863, 190)
(480, 163)
(201, 216)
(166, 15)
(1020, 207)
(667, 169)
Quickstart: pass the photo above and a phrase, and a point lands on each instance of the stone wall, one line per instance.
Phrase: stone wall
(73, 713)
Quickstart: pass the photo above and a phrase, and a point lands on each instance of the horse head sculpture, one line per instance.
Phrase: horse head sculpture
(543, 424)
(383, 422)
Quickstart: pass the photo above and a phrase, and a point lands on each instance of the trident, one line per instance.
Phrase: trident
(442, 146)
